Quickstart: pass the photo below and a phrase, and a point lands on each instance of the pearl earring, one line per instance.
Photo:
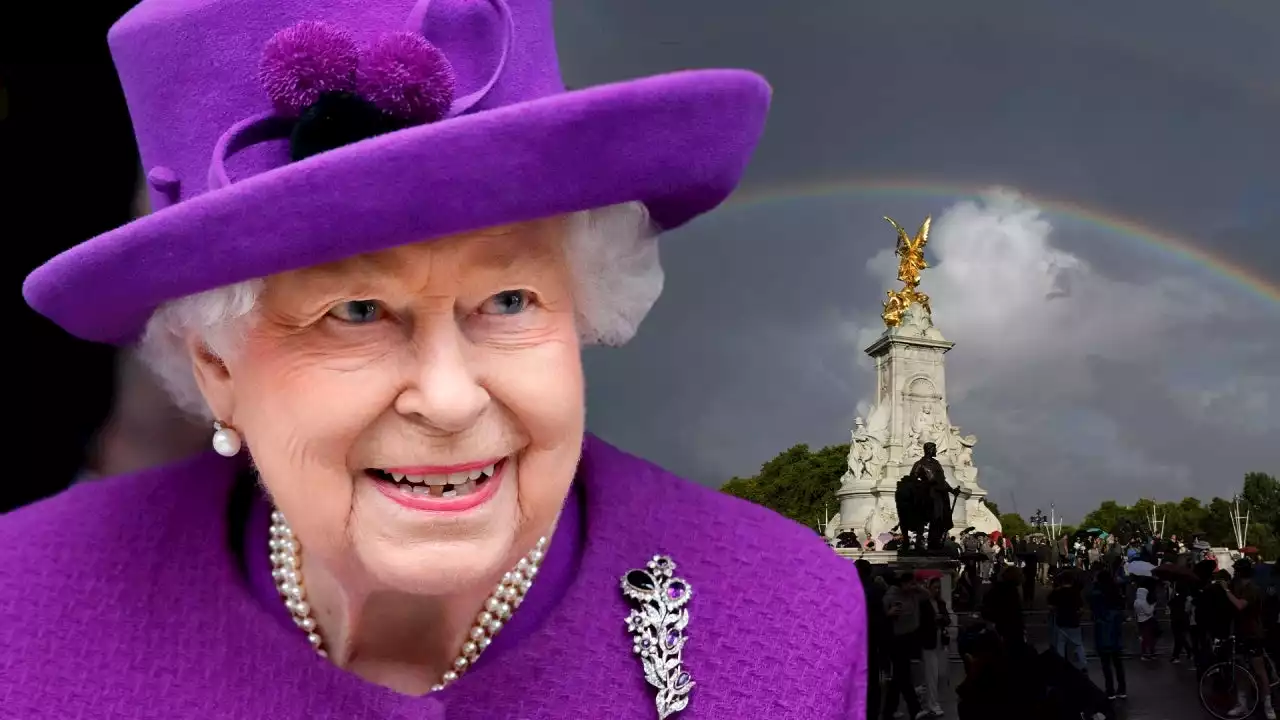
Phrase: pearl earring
(226, 441)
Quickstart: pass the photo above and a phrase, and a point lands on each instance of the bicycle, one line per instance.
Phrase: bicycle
(1228, 687)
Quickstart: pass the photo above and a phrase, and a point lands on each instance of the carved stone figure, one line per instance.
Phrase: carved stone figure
(921, 432)
(878, 460)
(965, 471)
(936, 510)
(859, 453)
(872, 455)
(940, 436)
(913, 448)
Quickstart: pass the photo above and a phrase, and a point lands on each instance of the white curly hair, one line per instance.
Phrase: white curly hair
(612, 253)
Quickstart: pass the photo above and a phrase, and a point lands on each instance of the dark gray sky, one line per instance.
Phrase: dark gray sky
(1092, 364)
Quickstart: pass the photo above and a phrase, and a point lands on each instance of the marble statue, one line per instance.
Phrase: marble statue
(867, 453)
(965, 471)
(940, 436)
(923, 430)
(859, 450)
(909, 411)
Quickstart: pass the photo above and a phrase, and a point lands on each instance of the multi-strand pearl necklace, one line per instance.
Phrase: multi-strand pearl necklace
(505, 598)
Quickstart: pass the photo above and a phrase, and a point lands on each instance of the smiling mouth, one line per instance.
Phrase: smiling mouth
(444, 485)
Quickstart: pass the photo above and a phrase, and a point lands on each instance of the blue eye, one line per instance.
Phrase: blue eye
(507, 302)
(357, 312)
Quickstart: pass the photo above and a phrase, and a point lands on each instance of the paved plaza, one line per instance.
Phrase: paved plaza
(1157, 689)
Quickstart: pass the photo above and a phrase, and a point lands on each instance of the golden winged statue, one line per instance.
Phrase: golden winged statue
(910, 252)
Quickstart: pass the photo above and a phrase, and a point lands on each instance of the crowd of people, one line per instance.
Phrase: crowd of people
(1092, 596)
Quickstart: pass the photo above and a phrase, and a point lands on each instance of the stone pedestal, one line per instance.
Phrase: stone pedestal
(910, 410)
(948, 566)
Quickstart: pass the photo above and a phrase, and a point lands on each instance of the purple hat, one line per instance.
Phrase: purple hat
(278, 134)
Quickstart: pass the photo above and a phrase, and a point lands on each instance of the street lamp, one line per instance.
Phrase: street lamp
(1038, 521)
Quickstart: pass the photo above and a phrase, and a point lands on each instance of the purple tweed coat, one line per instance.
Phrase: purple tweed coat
(128, 598)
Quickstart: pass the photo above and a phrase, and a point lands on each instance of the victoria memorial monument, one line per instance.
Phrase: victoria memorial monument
(910, 411)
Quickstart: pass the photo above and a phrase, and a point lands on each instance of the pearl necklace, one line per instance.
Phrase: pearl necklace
(505, 598)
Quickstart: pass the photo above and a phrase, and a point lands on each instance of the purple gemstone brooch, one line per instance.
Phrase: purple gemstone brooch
(657, 626)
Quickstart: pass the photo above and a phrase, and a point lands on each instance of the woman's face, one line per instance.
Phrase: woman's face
(417, 413)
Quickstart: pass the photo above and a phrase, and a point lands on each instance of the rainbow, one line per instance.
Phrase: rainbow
(1184, 250)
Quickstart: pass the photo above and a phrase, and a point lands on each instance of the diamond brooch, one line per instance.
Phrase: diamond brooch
(657, 623)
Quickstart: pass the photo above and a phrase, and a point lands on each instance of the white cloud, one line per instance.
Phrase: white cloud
(1083, 382)
(1013, 302)
(1040, 336)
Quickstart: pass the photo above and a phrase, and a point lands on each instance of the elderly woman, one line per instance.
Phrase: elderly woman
(382, 232)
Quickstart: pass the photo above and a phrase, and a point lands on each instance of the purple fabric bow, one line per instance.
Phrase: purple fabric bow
(401, 74)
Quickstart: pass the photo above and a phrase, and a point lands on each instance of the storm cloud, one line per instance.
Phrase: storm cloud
(1091, 362)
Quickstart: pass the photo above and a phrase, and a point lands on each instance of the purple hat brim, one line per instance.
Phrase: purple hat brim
(679, 143)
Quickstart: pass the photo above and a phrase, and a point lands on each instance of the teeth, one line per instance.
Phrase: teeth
(427, 479)
(465, 488)
(437, 482)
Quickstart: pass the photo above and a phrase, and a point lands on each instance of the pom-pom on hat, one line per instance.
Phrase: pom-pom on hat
(407, 77)
(302, 63)
(279, 134)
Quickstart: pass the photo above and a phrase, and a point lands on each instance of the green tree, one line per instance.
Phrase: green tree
(1217, 524)
(1014, 524)
(1265, 539)
(798, 483)
(1109, 516)
(1262, 494)
(1259, 495)
(1186, 518)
